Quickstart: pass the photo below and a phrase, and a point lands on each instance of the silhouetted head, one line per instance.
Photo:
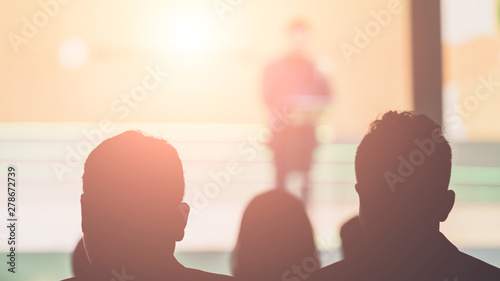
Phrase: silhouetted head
(275, 235)
(299, 35)
(403, 167)
(132, 206)
(79, 260)
(352, 237)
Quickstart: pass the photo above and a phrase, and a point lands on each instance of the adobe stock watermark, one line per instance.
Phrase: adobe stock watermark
(417, 157)
(121, 276)
(121, 107)
(363, 37)
(31, 26)
(224, 6)
(308, 266)
(470, 104)
(301, 272)
(249, 148)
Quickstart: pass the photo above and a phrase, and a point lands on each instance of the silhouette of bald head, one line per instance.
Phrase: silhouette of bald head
(133, 186)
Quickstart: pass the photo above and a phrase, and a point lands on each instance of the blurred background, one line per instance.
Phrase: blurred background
(70, 74)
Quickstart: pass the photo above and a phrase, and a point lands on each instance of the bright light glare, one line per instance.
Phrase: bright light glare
(72, 53)
(191, 32)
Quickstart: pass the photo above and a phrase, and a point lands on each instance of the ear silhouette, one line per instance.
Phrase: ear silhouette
(92, 247)
(85, 213)
(182, 218)
(445, 205)
(357, 186)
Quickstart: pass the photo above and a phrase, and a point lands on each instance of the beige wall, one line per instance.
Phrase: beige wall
(220, 84)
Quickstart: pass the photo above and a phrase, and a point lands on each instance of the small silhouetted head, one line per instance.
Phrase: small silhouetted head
(403, 167)
(133, 186)
(351, 235)
(275, 235)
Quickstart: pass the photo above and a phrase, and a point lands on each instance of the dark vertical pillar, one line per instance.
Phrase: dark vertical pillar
(426, 57)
